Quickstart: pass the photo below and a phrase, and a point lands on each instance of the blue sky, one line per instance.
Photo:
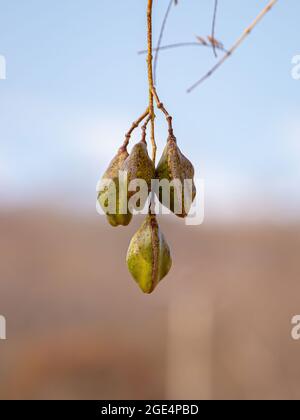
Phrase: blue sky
(75, 83)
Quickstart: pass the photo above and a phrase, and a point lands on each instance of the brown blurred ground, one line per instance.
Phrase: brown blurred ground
(78, 327)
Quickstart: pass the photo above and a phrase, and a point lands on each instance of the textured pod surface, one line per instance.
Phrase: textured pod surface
(112, 174)
(138, 165)
(148, 256)
(172, 166)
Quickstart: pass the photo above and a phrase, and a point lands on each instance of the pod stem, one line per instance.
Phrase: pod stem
(135, 125)
(161, 106)
(144, 129)
(150, 77)
(152, 91)
(155, 250)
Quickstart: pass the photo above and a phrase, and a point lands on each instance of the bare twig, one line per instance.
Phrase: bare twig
(161, 37)
(150, 78)
(133, 127)
(236, 45)
(214, 28)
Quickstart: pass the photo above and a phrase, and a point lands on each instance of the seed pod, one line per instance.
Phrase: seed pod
(114, 216)
(148, 257)
(178, 170)
(139, 166)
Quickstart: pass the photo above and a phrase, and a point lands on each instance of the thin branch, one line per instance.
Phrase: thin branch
(161, 37)
(133, 127)
(160, 106)
(236, 45)
(214, 28)
(150, 78)
(185, 44)
(144, 128)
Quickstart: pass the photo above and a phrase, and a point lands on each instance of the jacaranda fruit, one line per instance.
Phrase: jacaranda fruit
(148, 257)
(111, 176)
(176, 168)
(139, 166)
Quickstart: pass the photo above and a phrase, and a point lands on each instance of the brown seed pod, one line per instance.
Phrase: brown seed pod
(176, 168)
(139, 166)
(115, 218)
(148, 256)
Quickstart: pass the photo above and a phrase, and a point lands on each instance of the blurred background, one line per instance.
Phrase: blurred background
(219, 326)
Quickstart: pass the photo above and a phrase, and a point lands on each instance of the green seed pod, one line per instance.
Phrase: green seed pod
(148, 257)
(139, 166)
(114, 217)
(178, 170)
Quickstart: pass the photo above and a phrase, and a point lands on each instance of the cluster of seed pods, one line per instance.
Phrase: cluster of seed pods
(148, 257)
